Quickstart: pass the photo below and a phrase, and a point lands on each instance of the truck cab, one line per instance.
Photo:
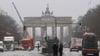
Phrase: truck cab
(90, 45)
(27, 43)
(9, 42)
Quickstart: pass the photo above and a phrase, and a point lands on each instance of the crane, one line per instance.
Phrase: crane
(27, 33)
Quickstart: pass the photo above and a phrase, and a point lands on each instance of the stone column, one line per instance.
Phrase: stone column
(69, 34)
(52, 31)
(42, 33)
(70, 31)
(61, 33)
(34, 33)
(55, 33)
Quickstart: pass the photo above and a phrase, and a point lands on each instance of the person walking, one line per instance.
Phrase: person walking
(61, 49)
(55, 49)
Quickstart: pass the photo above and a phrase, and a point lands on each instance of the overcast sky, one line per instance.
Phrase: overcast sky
(73, 8)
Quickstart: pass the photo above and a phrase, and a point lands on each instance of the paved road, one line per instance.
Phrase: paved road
(21, 53)
(36, 53)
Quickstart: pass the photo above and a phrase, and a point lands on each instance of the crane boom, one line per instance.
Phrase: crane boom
(17, 12)
(28, 35)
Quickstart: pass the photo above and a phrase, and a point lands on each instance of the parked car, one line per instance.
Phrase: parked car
(1, 46)
(73, 45)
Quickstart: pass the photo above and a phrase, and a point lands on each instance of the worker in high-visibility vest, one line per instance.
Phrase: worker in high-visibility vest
(85, 33)
(26, 33)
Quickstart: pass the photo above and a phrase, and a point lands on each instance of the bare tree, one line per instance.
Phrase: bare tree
(8, 24)
(92, 20)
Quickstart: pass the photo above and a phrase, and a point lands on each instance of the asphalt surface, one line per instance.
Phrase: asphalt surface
(34, 52)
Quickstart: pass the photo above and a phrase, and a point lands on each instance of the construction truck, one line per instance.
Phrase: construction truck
(90, 44)
(9, 42)
(27, 42)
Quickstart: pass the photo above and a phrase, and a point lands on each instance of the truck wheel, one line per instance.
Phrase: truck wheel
(77, 50)
(13, 50)
(70, 50)
(2, 50)
(84, 54)
(97, 54)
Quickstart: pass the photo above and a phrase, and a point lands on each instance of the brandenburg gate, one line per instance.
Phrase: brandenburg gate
(48, 20)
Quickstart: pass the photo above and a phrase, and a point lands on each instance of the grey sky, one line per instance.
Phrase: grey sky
(72, 8)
